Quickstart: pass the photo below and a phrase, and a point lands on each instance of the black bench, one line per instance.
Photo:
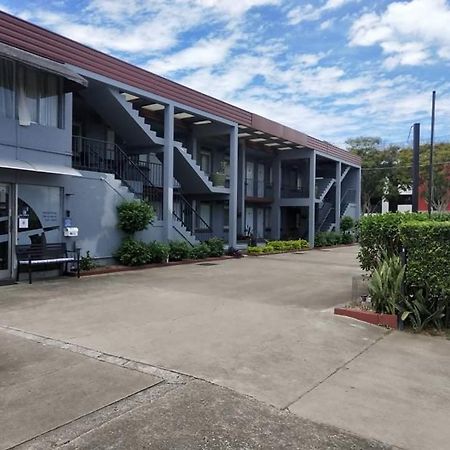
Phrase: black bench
(38, 254)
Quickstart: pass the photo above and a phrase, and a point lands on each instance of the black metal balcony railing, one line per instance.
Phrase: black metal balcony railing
(101, 156)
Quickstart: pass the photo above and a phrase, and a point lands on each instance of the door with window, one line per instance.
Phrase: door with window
(249, 220)
(261, 180)
(5, 231)
(260, 223)
(250, 179)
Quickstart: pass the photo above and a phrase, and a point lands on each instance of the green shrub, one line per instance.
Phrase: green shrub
(87, 263)
(279, 246)
(200, 251)
(255, 250)
(333, 238)
(380, 233)
(422, 308)
(134, 216)
(215, 247)
(320, 239)
(386, 285)
(179, 250)
(347, 238)
(347, 224)
(428, 256)
(133, 253)
(159, 252)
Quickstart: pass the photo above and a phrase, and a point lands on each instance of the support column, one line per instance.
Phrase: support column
(168, 172)
(232, 230)
(312, 199)
(242, 188)
(358, 193)
(337, 210)
(276, 208)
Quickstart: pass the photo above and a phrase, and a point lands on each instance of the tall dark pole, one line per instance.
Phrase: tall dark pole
(415, 168)
(430, 175)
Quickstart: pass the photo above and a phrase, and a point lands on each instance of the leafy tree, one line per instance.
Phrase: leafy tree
(380, 176)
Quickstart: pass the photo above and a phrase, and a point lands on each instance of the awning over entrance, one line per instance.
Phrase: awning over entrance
(73, 81)
(38, 167)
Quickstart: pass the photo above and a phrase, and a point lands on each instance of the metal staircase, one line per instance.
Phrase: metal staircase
(347, 199)
(325, 220)
(344, 173)
(121, 116)
(105, 157)
(323, 185)
(189, 221)
(186, 170)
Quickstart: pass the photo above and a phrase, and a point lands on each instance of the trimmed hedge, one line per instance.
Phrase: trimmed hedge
(330, 238)
(137, 253)
(278, 247)
(428, 255)
(380, 234)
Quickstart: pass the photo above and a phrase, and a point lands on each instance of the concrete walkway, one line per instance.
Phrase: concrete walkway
(43, 387)
(261, 326)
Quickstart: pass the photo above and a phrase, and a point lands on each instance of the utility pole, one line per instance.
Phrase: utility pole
(430, 174)
(415, 168)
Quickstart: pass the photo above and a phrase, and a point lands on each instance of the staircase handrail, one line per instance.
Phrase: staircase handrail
(126, 164)
(185, 203)
(344, 197)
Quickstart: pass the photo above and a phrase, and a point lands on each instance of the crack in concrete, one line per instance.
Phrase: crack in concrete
(335, 371)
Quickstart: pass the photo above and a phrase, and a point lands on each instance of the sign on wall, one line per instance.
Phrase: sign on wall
(39, 211)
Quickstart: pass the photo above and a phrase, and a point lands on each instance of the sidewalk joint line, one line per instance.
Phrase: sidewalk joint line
(335, 371)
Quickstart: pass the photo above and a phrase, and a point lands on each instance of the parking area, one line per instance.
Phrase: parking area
(262, 326)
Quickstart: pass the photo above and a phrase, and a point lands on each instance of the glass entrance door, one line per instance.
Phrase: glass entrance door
(5, 231)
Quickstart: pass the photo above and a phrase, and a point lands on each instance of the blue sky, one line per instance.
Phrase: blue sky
(331, 68)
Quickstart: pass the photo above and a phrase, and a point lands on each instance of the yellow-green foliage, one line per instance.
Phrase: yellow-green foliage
(279, 247)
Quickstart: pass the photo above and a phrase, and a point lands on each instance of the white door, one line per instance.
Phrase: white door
(250, 179)
(249, 219)
(260, 223)
(260, 192)
(5, 231)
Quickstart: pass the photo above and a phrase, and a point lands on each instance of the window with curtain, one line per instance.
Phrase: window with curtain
(6, 88)
(39, 98)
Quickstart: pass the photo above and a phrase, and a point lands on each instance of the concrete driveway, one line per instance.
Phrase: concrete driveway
(262, 326)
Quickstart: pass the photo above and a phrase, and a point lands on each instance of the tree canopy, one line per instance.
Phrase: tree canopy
(387, 171)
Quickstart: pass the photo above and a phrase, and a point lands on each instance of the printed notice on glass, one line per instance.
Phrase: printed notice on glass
(23, 222)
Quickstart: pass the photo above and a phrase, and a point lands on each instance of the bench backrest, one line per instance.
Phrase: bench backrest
(41, 251)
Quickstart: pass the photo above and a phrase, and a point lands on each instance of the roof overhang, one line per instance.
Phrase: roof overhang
(17, 164)
(73, 81)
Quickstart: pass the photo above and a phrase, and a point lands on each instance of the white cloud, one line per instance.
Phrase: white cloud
(310, 12)
(234, 7)
(205, 53)
(326, 24)
(409, 33)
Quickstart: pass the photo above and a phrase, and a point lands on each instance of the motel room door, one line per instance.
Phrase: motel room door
(249, 219)
(250, 179)
(260, 223)
(261, 183)
(5, 231)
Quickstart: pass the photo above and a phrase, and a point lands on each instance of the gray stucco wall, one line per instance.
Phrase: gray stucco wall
(37, 143)
(92, 201)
